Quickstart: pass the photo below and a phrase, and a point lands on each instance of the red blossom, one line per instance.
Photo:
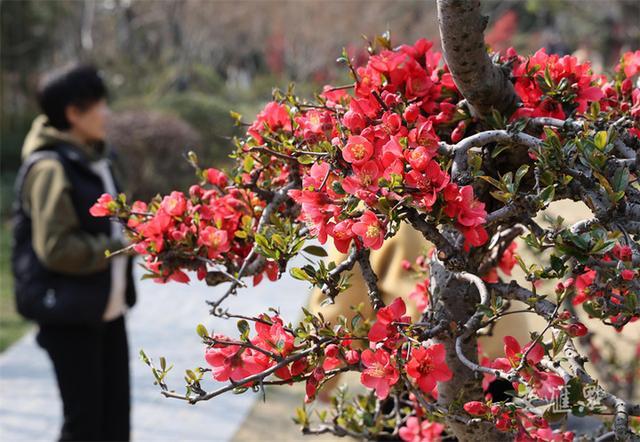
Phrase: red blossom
(103, 207)
(475, 408)
(357, 150)
(427, 366)
(425, 431)
(379, 372)
(369, 229)
(384, 328)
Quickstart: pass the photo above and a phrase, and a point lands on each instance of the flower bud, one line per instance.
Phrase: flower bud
(352, 357)
(476, 408)
(575, 330)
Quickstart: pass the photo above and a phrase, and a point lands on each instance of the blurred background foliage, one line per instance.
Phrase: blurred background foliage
(176, 67)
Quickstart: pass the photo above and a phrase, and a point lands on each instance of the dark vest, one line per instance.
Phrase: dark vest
(50, 297)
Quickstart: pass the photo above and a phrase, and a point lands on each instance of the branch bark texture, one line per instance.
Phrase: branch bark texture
(484, 85)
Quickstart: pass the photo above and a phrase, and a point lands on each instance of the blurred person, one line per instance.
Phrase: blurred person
(63, 278)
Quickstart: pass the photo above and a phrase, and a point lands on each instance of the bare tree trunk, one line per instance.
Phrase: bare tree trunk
(86, 30)
(456, 301)
(484, 85)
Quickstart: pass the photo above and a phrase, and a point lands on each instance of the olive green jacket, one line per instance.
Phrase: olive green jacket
(58, 240)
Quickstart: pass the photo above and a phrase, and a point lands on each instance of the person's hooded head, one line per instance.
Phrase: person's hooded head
(74, 99)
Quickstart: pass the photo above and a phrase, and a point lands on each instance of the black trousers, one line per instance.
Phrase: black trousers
(92, 369)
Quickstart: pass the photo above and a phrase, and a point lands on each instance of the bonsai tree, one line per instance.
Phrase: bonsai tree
(467, 148)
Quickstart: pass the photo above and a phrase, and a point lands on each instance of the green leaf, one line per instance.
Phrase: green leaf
(306, 159)
(547, 195)
(244, 328)
(492, 181)
(237, 118)
(620, 179)
(202, 331)
(262, 241)
(498, 150)
(522, 171)
(247, 164)
(300, 274)
(315, 251)
(600, 140)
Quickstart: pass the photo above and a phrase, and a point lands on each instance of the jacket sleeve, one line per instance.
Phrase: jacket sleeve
(57, 237)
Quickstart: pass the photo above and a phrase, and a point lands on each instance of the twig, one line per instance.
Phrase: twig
(371, 279)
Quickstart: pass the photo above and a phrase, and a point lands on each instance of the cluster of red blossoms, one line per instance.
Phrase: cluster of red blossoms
(388, 136)
(385, 137)
(273, 342)
(207, 226)
(236, 361)
(528, 426)
(611, 282)
(553, 86)
(425, 365)
(545, 385)
(549, 85)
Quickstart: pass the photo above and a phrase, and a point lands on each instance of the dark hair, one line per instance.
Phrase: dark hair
(79, 86)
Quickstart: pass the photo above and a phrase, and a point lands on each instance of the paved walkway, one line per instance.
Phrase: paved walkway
(163, 324)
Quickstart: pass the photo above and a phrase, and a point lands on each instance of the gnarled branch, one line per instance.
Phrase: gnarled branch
(483, 84)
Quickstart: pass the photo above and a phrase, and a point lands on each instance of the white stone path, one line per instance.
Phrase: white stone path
(163, 324)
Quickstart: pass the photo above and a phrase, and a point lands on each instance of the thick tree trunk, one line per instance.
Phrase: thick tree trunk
(484, 85)
(456, 300)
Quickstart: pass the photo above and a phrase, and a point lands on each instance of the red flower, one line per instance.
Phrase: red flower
(576, 329)
(420, 295)
(364, 179)
(630, 63)
(216, 241)
(370, 230)
(508, 260)
(427, 366)
(628, 275)
(583, 282)
(379, 372)
(342, 235)
(425, 431)
(232, 362)
(429, 183)
(514, 352)
(216, 177)
(103, 207)
(475, 408)
(274, 337)
(420, 157)
(331, 359)
(623, 253)
(275, 116)
(357, 150)
(174, 204)
(272, 271)
(383, 328)
(354, 121)
(462, 205)
(474, 236)
(546, 385)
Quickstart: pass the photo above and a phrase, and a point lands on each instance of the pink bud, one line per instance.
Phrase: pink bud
(352, 357)
(476, 408)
